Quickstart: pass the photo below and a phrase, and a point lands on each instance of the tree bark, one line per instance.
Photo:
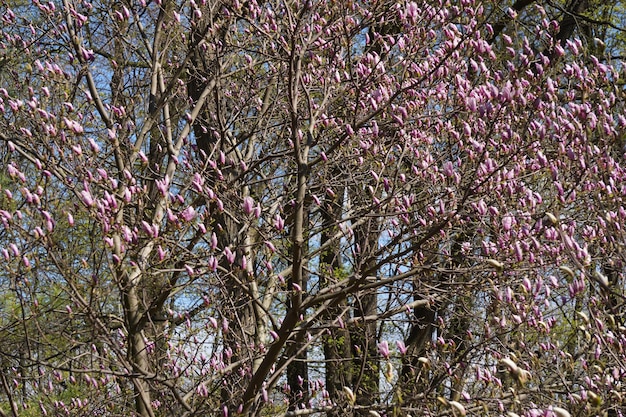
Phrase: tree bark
(364, 337)
(337, 340)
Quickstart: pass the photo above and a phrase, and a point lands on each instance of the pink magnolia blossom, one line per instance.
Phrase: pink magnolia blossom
(87, 198)
(412, 11)
(188, 214)
(248, 205)
(383, 349)
(270, 246)
(401, 347)
(212, 263)
(73, 125)
(279, 223)
(508, 222)
(230, 256)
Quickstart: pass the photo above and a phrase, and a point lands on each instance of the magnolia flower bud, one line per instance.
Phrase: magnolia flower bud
(560, 412)
(349, 395)
(457, 408)
(552, 218)
(567, 270)
(496, 264)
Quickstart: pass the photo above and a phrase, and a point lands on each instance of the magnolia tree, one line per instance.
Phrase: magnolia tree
(309, 207)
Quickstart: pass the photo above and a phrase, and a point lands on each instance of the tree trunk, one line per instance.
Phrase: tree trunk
(298, 369)
(364, 337)
(137, 353)
(337, 341)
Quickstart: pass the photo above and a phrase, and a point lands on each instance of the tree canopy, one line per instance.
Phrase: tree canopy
(285, 208)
